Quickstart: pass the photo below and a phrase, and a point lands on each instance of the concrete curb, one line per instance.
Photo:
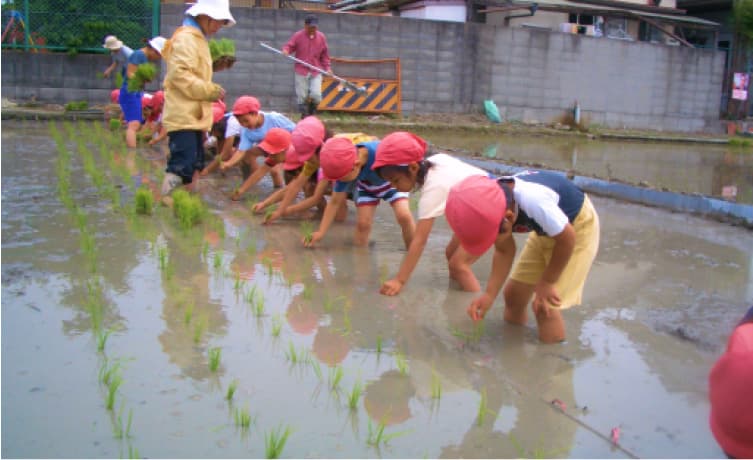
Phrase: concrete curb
(735, 213)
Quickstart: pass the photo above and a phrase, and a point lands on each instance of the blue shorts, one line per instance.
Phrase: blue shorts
(186, 153)
(130, 104)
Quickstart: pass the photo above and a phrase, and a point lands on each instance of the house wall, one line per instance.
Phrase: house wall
(532, 75)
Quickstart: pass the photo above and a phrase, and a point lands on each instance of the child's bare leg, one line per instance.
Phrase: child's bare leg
(404, 218)
(459, 265)
(133, 127)
(364, 219)
(342, 211)
(551, 326)
(517, 296)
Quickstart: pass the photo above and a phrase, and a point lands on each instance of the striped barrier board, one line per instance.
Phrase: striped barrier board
(382, 96)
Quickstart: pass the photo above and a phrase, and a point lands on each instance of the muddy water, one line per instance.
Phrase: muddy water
(663, 293)
(682, 167)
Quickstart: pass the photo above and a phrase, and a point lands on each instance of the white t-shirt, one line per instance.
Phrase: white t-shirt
(445, 172)
(232, 128)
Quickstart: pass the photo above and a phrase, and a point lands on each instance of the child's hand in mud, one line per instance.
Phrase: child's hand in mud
(315, 237)
(273, 216)
(391, 287)
(545, 296)
(480, 305)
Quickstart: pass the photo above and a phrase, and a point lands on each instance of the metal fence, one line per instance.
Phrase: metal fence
(77, 25)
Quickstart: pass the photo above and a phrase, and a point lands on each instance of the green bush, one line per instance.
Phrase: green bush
(76, 105)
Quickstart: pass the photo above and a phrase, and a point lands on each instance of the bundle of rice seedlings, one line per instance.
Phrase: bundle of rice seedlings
(223, 53)
(144, 73)
(189, 209)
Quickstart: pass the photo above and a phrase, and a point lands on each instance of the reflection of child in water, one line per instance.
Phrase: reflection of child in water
(387, 399)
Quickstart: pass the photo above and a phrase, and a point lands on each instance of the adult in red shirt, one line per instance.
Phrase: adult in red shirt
(308, 45)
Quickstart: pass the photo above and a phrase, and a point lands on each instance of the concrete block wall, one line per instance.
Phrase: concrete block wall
(531, 74)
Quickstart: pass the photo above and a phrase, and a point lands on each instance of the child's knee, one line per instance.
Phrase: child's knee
(363, 226)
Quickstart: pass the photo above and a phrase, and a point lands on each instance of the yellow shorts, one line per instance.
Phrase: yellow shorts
(537, 252)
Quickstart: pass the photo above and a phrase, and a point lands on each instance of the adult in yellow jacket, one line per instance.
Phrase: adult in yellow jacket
(189, 90)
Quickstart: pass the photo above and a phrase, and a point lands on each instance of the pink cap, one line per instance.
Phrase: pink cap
(275, 141)
(246, 104)
(731, 395)
(307, 136)
(114, 95)
(337, 157)
(292, 161)
(218, 111)
(399, 148)
(158, 99)
(475, 208)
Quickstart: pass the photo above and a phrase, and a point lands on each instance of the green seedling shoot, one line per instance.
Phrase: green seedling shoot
(231, 390)
(307, 229)
(243, 418)
(258, 305)
(379, 344)
(402, 362)
(436, 385)
(335, 376)
(355, 395)
(102, 339)
(144, 201)
(217, 261)
(276, 326)
(221, 47)
(188, 314)
(377, 436)
(114, 383)
(214, 358)
(483, 409)
(274, 441)
(198, 331)
(317, 369)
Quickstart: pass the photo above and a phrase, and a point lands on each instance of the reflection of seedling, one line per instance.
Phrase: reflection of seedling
(188, 314)
(335, 376)
(231, 390)
(267, 262)
(292, 353)
(436, 385)
(144, 201)
(238, 282)
(251, 248)
(354, 395)
(258, 306)
(275, 441)
(217, 261)
(379, 344)
(276, 326)
(198, 331)
(214, 358)
(251, 295)
(377, 435)
(114, 382)
(118, 429)
(317, 368)
(401, 362)
(162, 256)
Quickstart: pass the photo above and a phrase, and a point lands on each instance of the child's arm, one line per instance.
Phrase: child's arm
(251, 181)
(329, 215)
(234, 160)
(161, 134)
(291, 191)
(109, 70)
(275, 197)
(504, 252)
(416, 248)
(545, 293)
(311, 201)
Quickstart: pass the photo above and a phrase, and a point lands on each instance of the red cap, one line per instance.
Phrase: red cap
(275, 141)
(399, 148)
(146, 100)
(337, 158)
(474, 210)
(217, 113)
(158, 99)
(307, 136)
(246, 104)
(731, 395)
(292, 161)
(114, 95)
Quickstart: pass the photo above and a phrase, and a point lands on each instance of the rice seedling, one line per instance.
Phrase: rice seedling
(114, 382)
(115, 124)
(132, 451)
(292, 354)
(238, 283)
(217, 261)
(270, 210)
(355, 395)
(276, 326)
(118, 429)
(243, 418)
(189, 209)
(214, 358)
(377, 435)
(144, 73)
(162, 256)
(102, 339)
(307, 229)
(188, 314)
(274, 441)
(251, 295)
(267, 262)
(335, 376)
(258, 306)
(402, 362)
(144, 201)
(108, 371)
(231, 390)
(198, 331)
(379, 344)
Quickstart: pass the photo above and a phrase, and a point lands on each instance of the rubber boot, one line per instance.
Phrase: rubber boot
(312, 107)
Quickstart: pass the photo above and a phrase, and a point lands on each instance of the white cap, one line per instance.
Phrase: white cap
(215, 9)
(158, 43)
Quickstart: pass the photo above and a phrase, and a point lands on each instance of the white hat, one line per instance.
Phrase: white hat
(112, 43)
(158, 43)
(215, 9)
